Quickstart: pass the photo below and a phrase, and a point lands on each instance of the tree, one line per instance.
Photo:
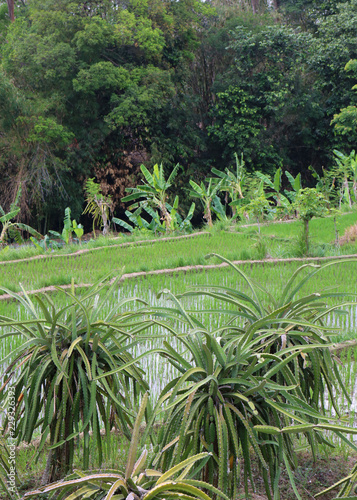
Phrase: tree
(31, 146)
(206, 194)
(347, 168)
(98, 205)
(306, 13)
(334, 44)
(11, 9)
(233, 181)
(112, 93)
(62, 374)
(309, 203)
(264, 97)
(154, 193)
(345, 122)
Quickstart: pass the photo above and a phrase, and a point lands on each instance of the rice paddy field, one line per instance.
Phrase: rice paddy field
(244, 243)
(237, 245)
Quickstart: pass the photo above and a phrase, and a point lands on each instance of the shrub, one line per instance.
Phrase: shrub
(54, 374)
(134, 483)
(252, 384)
(309, 203)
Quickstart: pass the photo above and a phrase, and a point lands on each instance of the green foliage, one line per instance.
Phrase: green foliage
(11, 229)
(283, 204)
(349, 485)
(98, 205)
(295, 183)
(220, 211)
(55, 373)
(236, 126)
(156, 225)
(101, 76)
(69, 227)
(233, 181)
(264, 86)
(345, 122)
(206, 194)
(4, 465)
(309, 203)
(253, 383)
(153, 194)
(326, 184)
(257, 208)
(347, 169)
(135, 482)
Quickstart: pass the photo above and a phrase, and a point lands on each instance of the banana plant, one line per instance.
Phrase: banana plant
(325, 183)
(282, 201)
(140, 223)
(11, 229)
(54, 372)
(233, 181)
(206, 194)
(258, 207)
(220, 211)
(295, 183)
(153, 192)
(156, 225)
(353, 166)
(135, 482)
(347, 165)
(69, 227)
(45, 244)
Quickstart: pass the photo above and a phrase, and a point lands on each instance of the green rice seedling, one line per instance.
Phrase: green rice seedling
(89, 267)
(134, 482)
(260, 248)
(245, 255)
(53, 372)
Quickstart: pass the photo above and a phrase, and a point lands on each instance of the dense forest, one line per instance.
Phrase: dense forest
(95, 88)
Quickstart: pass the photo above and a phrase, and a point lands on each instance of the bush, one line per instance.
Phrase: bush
(55, 374)
(134, 483)
(256, 382)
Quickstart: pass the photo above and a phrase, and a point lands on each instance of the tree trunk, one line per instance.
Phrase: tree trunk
(208, 214)
(166, 216)
(11, 9)
(347, 190)
(336, 231)
(255, 6)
